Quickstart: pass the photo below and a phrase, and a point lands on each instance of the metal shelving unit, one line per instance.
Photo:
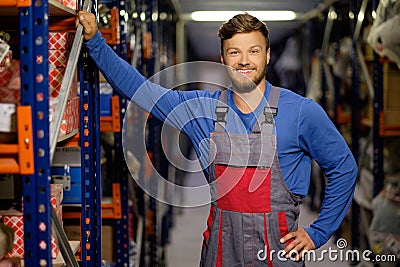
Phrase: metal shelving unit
(362, 212)
(90, 164)
(36, 19)
(122, 239)
(33, 31)
(34, 81)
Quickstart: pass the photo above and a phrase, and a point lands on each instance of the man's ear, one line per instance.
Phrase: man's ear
(268, 55)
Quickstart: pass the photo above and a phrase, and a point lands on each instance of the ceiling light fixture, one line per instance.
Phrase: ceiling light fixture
(278, 15)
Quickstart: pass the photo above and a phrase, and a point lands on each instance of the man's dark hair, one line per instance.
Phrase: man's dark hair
(242, 23)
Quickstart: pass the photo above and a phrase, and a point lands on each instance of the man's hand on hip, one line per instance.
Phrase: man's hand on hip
(300, 243)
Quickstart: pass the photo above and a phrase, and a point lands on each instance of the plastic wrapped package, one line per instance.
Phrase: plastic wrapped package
(288, 67)
(384, 36)
(342, 67)
(314, 82)
(384, 231)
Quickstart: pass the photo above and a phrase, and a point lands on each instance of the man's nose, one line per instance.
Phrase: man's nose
(244, 59)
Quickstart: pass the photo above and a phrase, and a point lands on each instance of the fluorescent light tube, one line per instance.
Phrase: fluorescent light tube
(278, 15)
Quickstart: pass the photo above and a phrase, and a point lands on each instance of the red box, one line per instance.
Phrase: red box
(70, 3)
(60, 40)
(56, 195)
(10, 83)
(58, 57)
(70, 119)
(56, 76)
(17, 223)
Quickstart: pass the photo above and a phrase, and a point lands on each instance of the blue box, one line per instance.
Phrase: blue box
(73, 194)
(105, 104)
(106, 92)
(67, 162)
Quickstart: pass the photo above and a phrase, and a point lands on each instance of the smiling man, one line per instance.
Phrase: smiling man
(261, 142)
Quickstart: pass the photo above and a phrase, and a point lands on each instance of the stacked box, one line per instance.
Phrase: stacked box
(70, 3)
(56, 197)
(391, 105)
(10, 82)
(70, 119)
(60, 40)
(60, 44)
(15, 219)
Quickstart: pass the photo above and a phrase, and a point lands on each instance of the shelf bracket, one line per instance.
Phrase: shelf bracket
(112, 123)
(23, 149)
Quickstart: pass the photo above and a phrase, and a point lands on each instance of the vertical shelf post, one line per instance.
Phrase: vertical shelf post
(122, 224)
(154, 131)
(90, 159)
(35, 92)
(378, 107)
(355, 120)
(90, 164)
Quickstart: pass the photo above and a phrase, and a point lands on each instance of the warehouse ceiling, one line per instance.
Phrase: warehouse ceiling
(202, 36)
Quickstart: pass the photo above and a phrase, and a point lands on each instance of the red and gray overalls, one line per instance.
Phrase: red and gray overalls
(252, 208)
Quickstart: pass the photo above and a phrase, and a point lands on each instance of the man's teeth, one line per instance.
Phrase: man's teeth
(245, 71)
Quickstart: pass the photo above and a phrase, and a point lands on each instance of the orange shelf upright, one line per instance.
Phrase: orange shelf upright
(112, 123)
(111, 34)
(108, 210)
(387, 130)
(23, 150)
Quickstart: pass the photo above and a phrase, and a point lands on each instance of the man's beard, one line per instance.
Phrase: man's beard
(241, 83)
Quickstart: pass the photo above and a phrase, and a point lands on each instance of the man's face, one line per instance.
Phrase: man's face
(246, 54)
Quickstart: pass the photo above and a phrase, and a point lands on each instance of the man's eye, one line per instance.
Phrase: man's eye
(233, 53)
(254, 51)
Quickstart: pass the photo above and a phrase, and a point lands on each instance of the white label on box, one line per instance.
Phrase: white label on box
(8, 115)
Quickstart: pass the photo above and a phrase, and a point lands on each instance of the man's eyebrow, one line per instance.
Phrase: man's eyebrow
(254, 46)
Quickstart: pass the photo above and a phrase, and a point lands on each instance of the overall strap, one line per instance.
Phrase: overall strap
(265, 121)
(221, 110)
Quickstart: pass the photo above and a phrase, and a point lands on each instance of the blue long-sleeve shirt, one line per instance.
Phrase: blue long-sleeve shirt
(304, 132)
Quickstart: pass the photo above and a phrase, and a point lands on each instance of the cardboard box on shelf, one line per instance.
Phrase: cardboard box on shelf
(107, 243)
(73, 232)
(391, 94)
